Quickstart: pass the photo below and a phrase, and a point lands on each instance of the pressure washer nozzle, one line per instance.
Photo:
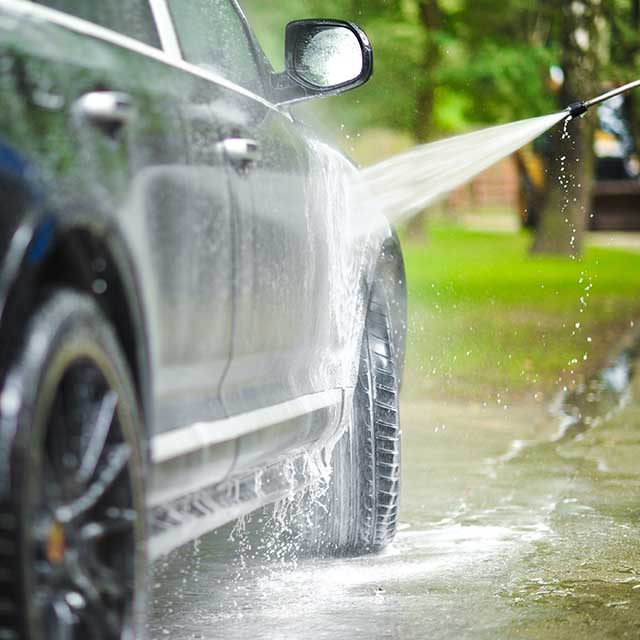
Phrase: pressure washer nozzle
(576, 109)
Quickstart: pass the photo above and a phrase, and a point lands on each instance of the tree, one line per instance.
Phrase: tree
(431, 18)
(569, 163)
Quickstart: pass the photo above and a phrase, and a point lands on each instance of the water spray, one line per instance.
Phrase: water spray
(402, 185)
(578, 108)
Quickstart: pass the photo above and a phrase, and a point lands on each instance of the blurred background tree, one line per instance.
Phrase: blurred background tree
(580, 29)
(441, 66)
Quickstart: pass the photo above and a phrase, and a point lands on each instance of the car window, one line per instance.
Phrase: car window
(213, 35)
(132, 18)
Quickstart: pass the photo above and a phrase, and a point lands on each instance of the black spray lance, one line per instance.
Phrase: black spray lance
(578, 108)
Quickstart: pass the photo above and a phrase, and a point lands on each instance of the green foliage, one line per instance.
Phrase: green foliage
(492, 66)
(509, 82)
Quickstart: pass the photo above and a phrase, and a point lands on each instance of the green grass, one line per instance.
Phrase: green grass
(489, 320)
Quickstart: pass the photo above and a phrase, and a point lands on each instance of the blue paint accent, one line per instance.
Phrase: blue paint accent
(41, 240)
(11, 162)
(14, 166)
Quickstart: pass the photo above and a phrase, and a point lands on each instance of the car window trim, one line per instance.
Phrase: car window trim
(165, 28)
(98, 32)
(262, 62)
(235, 7)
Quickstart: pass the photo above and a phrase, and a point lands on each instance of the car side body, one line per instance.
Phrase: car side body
(211, 228)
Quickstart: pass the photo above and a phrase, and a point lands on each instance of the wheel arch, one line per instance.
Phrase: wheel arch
(85, 255)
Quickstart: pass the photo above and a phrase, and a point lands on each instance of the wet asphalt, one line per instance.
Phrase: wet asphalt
(514, 524)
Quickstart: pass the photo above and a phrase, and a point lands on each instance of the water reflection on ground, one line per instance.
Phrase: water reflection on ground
(507, 532)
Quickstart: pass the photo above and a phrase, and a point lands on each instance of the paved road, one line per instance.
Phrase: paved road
(514, 525)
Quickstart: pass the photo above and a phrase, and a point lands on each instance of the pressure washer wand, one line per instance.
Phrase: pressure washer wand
(578, 108)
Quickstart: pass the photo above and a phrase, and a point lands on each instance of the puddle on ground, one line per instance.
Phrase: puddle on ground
(508, 531)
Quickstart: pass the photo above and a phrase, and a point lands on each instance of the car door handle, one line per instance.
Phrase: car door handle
(240, 151)
(107, 108)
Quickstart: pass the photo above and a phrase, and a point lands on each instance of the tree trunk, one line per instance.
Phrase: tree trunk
(569, 162)
(569, 171)
(530, 194)
(431, 21)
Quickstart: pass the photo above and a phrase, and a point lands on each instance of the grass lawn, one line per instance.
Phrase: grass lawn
(489, 321)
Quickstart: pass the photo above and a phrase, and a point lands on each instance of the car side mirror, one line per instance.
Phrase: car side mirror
(323, 57)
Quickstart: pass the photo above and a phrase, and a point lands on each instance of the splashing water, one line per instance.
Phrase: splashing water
(406, 183)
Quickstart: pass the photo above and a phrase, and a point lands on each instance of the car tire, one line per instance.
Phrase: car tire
(357, 513)
(72, 515)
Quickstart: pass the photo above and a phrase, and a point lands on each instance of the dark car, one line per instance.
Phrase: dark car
(192, 326)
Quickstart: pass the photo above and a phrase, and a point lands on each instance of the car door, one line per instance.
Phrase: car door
(280, 271)
(280, 317)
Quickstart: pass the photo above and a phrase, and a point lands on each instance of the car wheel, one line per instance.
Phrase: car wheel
(359, 510)
(72, 523)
